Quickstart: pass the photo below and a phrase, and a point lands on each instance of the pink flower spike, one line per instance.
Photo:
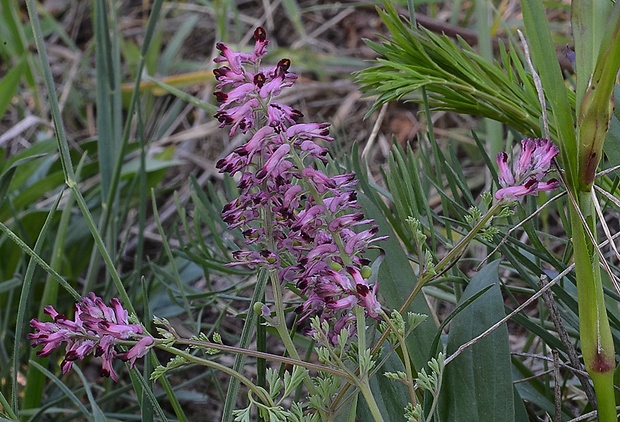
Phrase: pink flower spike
(95, 330)
(309, 212)
(530, 167)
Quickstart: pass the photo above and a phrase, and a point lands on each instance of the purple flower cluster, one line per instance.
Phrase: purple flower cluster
(95, 329)
(298, 214)
(525, 177)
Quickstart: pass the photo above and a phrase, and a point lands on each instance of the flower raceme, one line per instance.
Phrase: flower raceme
(96, 329)
(525, 176)
(298, 216)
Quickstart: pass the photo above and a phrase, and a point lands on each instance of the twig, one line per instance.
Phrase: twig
(548, 359)
(564, 338)
(375, 131)
(585, 416)
(607, 171)
(537, 84)
(557, 392)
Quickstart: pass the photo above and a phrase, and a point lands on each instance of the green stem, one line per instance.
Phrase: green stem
(441, 266)
(363, 381)
(261, 355)
(596, 340)
(370, 401)
(280, 326)
(406, 357)
(450, 258)
(259, 392)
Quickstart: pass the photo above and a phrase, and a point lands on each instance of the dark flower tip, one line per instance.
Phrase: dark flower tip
(284, 65)
(260, 34)
(220, 96)
(259, 80)
(71, 356)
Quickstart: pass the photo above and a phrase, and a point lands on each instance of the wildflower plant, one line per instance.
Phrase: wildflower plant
(302, 227)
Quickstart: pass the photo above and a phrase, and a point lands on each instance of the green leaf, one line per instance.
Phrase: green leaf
(535, 392)
(9, 84)
(546, 63)
(586, 19)
(455, 76)
(611, 147)
(66, 391)
(477, 385)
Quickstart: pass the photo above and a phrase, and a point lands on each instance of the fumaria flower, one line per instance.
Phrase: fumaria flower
(525, 176)
(95, 329)
(299, 216)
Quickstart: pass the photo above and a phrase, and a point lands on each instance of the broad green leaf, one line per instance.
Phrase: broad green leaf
(535, 391)
(477, 385)
(520, 411)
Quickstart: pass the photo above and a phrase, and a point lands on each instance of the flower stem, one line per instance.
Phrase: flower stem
(363, 382)
(406, 360)
(261, 393)
(447, 261)
(280, 327)
(441, 266)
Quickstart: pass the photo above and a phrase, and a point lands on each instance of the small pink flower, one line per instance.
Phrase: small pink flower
(525, 177)
(261, 43)
(140, 349)
(272, 163)
(278, 114)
